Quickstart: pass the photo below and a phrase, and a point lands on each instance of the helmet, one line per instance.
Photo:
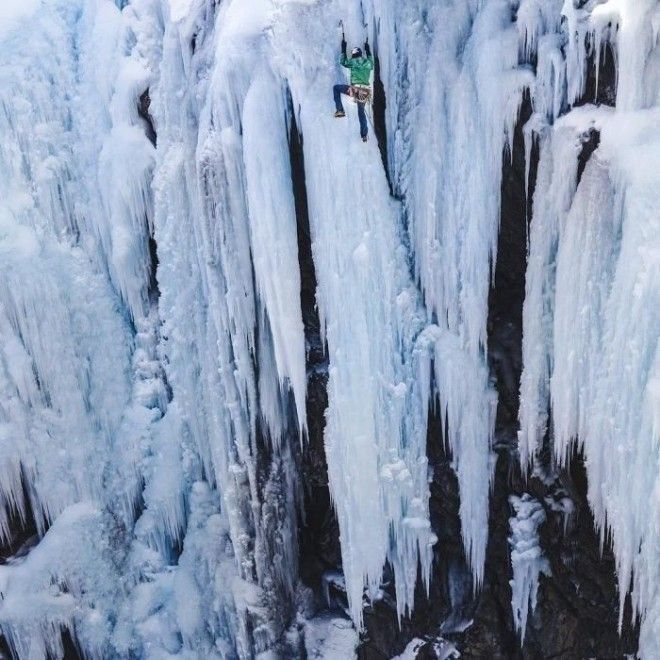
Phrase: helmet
(356, 52)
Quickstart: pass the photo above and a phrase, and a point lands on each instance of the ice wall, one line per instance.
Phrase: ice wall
(446, 166)
(221, 111)
(590, 346)
(232, 334)
(376, 418)
(156, 411)
(80, 387)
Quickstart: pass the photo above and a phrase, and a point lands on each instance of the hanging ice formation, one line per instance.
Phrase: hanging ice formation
(152, 357)
(591, 323)
(527, 560)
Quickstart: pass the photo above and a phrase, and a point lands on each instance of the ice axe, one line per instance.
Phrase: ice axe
(340, 27)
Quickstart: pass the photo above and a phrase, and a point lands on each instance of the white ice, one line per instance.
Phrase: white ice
(160, 419)
(527, 560)
(591, 334)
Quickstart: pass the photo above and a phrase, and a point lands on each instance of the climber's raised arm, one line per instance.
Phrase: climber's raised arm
(369, 56)
(344, 61)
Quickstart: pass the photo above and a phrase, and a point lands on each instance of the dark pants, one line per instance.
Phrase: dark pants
(362, 116)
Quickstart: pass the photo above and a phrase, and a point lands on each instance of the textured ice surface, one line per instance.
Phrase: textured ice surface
(591, 333)
(527, 560)
(150, 418)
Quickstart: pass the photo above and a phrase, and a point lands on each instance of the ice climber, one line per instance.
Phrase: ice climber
(360, 87)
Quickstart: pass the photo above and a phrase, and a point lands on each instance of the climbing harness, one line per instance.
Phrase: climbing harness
(360, 93)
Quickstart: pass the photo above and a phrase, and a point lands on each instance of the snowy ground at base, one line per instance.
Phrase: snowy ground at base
(330, 638)
(442, 650)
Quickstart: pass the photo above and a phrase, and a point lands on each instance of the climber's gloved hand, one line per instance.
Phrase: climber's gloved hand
(367, 49)
(343, 46)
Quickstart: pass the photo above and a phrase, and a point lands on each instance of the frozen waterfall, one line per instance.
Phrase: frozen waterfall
(155, 349)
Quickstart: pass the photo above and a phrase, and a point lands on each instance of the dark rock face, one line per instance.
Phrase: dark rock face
(378, 109)
(590, 142)
(577, 612)
(143, 108)
(600, 88)
(23, 530)
(576, 616)
(448, 607)
(318, 533)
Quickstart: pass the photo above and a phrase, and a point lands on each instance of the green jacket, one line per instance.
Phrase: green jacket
(360, 67)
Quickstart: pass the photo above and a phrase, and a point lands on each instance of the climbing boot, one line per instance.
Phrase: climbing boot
(340, 113)
(364, 138)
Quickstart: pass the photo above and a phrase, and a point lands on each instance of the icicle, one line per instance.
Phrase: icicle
(527, 558)
(272, 220)
(586, 253)
(589, 332)
(531, 132)
(67, 581)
